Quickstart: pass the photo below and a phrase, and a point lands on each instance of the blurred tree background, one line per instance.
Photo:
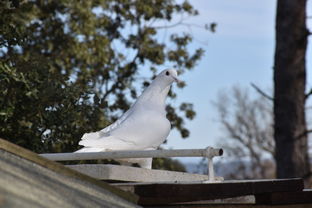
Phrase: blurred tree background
(267, 136)
(247, 124)
(70, 67)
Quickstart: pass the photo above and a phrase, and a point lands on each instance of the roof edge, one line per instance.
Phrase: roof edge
(61, 169)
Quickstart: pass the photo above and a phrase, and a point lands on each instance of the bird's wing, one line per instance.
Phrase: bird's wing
(125, 136)
(105, 132)
(117, 122)
(133, 108)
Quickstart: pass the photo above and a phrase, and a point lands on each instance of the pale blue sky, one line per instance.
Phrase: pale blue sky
(240, 52)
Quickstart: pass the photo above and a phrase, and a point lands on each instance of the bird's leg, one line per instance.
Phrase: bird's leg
(210, 170)
(146, 163)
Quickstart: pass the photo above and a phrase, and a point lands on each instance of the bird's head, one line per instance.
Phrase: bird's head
(160, 86)
(169, 75)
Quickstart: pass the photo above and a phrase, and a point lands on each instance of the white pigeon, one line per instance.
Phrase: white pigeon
(143, 127)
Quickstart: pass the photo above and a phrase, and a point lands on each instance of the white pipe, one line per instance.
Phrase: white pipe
(209, 152)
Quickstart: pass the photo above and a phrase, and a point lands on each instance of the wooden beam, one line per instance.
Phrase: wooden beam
(166, 193)
(300, 197)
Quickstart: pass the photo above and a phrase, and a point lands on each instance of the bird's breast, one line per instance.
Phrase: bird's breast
(146, 128)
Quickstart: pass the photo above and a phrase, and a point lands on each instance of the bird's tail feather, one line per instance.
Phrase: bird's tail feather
(108, 143)
(143, 162)
(92, 135)
(90, 149)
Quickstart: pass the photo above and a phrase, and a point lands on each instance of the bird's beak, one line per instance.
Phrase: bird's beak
(176, 79)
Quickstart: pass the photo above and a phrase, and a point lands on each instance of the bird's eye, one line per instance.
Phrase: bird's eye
(167, 73)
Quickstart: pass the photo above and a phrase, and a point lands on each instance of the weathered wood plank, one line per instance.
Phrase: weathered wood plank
(125, 173)
(61, 169)
(195, 205)
(248, 199)
(27, 184)
(165, 193)
(300, 197)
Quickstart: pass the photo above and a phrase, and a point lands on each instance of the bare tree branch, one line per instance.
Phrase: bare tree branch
(308, 94)
(261, 92)
(248, 125)
(169, 26)
(210, 27)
